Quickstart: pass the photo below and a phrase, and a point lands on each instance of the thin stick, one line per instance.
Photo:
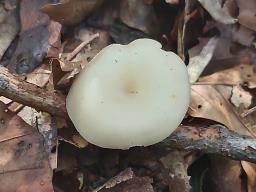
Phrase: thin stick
(31, 95)
(81, 46)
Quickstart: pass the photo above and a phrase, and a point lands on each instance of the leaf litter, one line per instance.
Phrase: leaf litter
(53, 42)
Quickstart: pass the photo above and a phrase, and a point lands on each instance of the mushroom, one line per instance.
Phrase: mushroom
(129, 95)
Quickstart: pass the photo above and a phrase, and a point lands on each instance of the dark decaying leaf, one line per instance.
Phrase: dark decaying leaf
(224, 175)
(33, 43)
(142, 19)
(31, 49)
(124, 35)
(23, 162)
(177, 168)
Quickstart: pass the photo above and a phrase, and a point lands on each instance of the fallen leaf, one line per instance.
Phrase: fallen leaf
(9, 25)
(44, 123)
(71, 12)
(207, 102)
(174, 162)
(142, 19)
(71, 136)
(247, 12)
(215, 9)
(198, 61)
(40, 76)
(15, 107)
(250, 170)
(23, 162)
(37, 36)
(122, 34)
(242, 74)
(244, 36)
(106, 15)
(224, 175)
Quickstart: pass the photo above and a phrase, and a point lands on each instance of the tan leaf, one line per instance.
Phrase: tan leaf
(250, 170)
(24, 165)
(247, 10)
(242, 74)
(207, 102)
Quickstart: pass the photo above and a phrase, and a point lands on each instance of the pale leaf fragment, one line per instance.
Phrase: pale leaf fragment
(215, 9)
(198, 63)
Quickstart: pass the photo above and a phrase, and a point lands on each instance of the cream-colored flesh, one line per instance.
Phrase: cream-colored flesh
(130, 95)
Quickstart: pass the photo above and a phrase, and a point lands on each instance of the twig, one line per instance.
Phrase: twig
(81, 46)
(248, 112)
(31, 95)
(215, 139)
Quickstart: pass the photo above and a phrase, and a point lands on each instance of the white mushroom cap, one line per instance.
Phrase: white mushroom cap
(130, 95)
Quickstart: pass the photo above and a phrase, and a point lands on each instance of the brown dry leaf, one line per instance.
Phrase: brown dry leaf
(214, 7)
(71, 12)
(54, 41)
(244, 36)
(79, 141)
(23, 161)
(224, 175)
(44, 123)
(247, 11)
(241, 74)
(39, 76)
(15, 107)
(250, 170)
(174, 162)
(207, 102)
(9, 24)
(71, 136)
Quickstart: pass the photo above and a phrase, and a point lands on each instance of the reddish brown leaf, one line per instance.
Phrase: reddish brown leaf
(23, 162)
